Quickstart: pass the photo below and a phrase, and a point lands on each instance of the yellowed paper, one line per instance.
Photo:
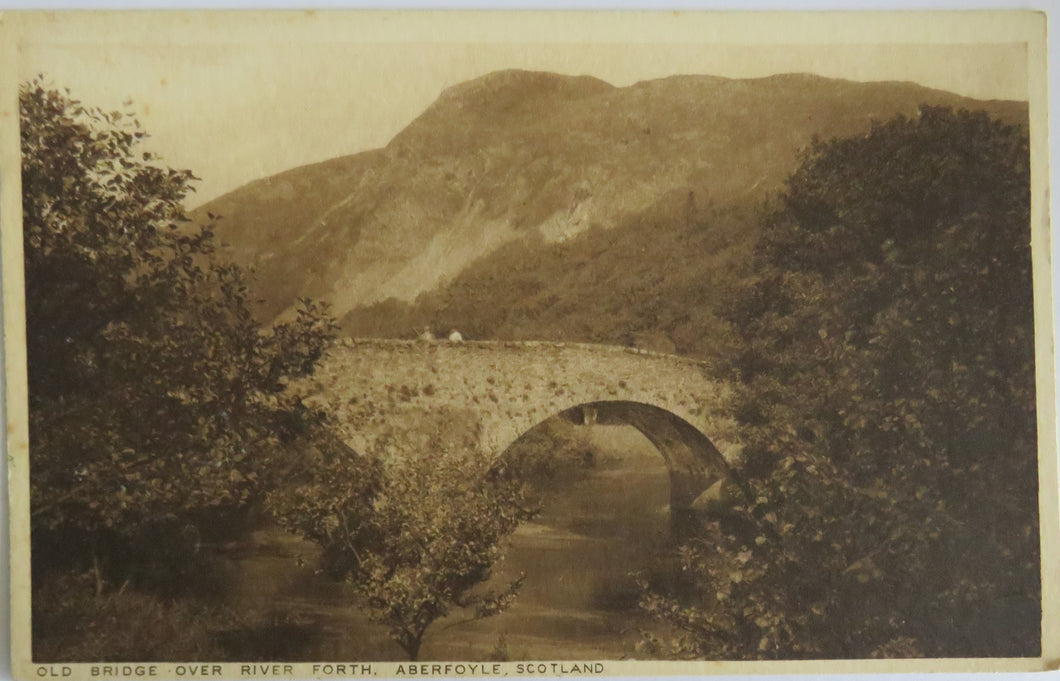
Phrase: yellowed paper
(516, 219)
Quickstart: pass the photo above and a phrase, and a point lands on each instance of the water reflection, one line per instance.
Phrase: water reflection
(598, 525)
(604, 515)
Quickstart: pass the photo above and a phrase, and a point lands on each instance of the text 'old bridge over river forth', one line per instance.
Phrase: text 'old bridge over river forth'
(386, 391)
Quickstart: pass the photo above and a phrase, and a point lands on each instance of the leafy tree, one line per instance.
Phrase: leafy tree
(416, 531)
(155, 397)
(888, 408)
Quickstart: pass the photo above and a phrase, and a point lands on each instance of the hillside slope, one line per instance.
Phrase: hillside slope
(653, 281)
(540, 167)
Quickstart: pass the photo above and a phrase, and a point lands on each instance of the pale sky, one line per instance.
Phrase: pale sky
(235, 99)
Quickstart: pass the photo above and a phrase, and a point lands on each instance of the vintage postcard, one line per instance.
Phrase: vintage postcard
(443, 344)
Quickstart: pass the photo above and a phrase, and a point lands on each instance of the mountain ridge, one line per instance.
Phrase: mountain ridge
(517, 157)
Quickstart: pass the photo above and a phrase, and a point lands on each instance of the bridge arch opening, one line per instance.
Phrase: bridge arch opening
(697, 470)
(602, 521)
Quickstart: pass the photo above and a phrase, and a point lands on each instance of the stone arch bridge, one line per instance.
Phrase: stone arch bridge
(382, 389)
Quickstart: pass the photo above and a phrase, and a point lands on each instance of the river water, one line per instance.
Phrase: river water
(578, 600)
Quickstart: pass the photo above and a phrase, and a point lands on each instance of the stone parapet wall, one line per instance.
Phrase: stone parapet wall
(371, 385)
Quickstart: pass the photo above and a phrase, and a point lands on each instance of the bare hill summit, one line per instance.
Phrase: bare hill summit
(556, 169)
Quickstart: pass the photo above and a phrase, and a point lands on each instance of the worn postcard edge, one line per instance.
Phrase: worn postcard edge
(615, 27)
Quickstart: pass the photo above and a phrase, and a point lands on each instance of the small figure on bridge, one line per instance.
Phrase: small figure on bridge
(426, 335)
(455, 337)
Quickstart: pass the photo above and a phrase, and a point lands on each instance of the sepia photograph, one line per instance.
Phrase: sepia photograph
(350, 344)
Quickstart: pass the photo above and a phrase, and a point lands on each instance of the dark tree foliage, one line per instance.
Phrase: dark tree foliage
(155, 397)
(886, 399)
